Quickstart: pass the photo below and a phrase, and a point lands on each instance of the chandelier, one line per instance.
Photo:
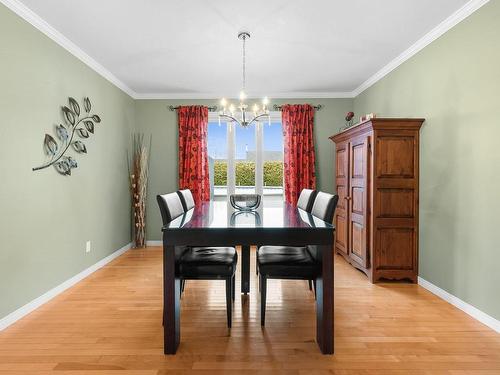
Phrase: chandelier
(229, 110)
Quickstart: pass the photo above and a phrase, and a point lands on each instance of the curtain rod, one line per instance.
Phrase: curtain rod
(316, 107)
(276, 108)
(210, 109)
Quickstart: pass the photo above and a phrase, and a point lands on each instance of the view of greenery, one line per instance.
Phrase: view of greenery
(245, 173)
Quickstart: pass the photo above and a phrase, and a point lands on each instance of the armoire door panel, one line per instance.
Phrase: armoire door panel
(341, 163)
(342, 193)
(358, 160)
(358, 195)
(357, 239)
(341, 213)
(395, 156)
(341, 233)
(395, 203)
(395, 248)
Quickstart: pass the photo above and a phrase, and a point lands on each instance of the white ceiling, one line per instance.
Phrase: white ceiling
(190, 47)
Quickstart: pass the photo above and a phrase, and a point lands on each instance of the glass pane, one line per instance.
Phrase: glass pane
(245, 159)
(273, 163)
(217, 159)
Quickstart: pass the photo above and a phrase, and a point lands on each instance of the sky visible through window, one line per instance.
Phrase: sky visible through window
(245, 137)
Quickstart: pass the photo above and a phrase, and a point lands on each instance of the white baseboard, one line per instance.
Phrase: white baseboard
(462, 305)
(39, 301)
(154, 243)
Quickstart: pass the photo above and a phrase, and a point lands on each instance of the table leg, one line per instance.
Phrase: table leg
(245, 269)
(171, 302)
(324, 301)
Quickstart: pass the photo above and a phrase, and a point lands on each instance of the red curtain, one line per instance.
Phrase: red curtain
(298, 121)
(193, 154)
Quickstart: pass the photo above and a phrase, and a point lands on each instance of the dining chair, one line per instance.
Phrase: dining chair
(201, 263)
(186, 198)
(305, 202)
(289, 262)
(306, 199)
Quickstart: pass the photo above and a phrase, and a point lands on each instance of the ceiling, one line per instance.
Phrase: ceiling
(190, 48)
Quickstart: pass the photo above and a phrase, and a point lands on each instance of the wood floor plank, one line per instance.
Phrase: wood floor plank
(110, 323)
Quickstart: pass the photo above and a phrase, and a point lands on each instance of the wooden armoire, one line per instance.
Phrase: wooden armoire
(377, 182)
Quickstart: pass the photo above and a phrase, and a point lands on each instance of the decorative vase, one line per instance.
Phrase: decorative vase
(138, 167)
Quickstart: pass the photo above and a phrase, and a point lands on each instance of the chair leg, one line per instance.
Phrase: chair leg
(263, 289)
(314, 284)
(183, 283)
(256, 262)
(310, 284)
(229, 300)
(233, 286)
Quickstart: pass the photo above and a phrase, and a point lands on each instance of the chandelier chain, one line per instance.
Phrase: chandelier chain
(244, 63)
(259, 113)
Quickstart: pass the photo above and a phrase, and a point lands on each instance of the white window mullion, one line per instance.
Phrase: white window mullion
(259, 156)
(231, 156)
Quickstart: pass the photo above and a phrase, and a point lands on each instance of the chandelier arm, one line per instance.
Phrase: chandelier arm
(229, 117)
(258, 117)
(243, 116)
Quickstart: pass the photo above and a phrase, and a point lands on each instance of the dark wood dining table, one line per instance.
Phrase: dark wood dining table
(216, 223)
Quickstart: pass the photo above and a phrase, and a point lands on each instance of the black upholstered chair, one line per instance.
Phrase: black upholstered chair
(201, 263)
(186, 199)
(288, 262)
(324, 206)
(306, 199)
(305, 202)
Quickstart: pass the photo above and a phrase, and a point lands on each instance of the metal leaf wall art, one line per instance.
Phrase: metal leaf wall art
(81, 124)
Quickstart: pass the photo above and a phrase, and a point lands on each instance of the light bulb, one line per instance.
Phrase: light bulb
(223, 102)
(265, 101)
(242, 95)
(231, 108)
(255, 108)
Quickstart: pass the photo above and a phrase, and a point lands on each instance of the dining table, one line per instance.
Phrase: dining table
(217, 223)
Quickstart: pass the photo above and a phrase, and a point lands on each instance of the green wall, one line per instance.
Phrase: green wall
(154, 117)
(46, 218)
(455, 84)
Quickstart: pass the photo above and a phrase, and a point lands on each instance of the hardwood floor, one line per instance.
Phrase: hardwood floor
(110, 323)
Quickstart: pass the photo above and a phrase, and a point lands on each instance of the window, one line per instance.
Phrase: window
(217, 158)
(246, 160)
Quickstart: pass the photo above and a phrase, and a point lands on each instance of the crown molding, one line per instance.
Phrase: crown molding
(36, 21)
(216, 96)
(458, 16)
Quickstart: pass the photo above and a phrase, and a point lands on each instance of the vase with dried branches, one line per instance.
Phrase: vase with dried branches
(138, 166)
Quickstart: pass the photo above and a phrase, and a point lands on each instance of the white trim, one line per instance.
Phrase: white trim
(47, 296)
(462, 305)
(283, 95)
(36, 21)
(27, 14)
(154, 243)
(231, 157)
(458, 16)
